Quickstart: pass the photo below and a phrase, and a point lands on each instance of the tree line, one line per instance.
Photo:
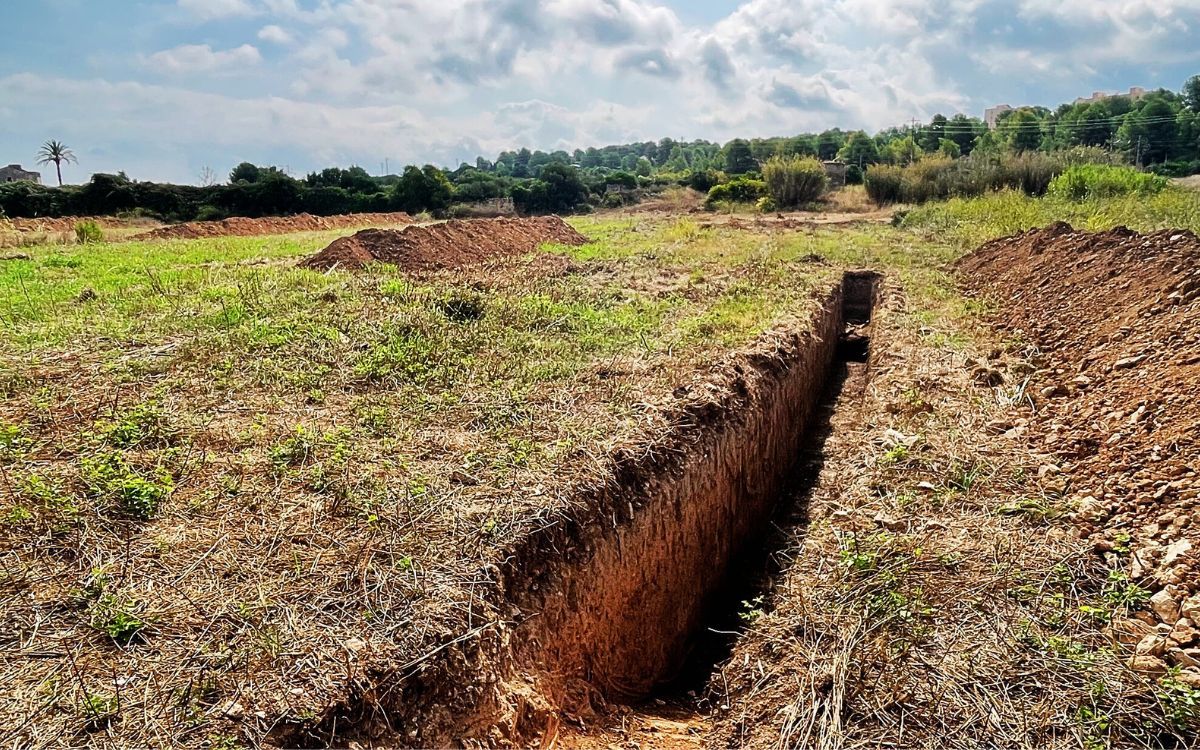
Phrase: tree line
(1160, 130)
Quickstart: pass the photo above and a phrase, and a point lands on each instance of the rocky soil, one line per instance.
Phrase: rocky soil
(1114, 320)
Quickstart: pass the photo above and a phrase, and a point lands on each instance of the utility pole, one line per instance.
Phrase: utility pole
(1138, 153)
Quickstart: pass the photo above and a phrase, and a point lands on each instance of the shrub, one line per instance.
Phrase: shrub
(766, 205)
(109, 477)
(88, 232)
(792, 180)
(739, 190)
(884, 184)
(1086, 181)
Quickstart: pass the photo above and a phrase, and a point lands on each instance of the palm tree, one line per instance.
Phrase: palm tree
(57, 152)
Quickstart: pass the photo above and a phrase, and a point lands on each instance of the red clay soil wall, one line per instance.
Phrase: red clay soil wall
(619, 618)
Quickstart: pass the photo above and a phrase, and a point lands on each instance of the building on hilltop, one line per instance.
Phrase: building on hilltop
(14, 173)
(991, 115)
(1134, 93)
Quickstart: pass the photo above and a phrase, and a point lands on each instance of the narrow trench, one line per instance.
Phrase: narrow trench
(749, 581)
(750, 578)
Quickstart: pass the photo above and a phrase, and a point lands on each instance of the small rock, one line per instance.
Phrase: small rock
(889, 523)
(1128, 362)
(1183, 634)
(1175, 550)
(1190, 677)
(233, 710)
(1191, 608)
(1163, 605)
(1186, 657)
(354, 645)
(1151, 645)
(1149, 665)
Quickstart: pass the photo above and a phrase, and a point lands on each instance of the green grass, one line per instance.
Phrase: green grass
(970, 222)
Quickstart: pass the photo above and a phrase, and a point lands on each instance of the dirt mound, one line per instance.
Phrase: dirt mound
(64, 223)
(243, 227)
(448, 245)
(1116, 315)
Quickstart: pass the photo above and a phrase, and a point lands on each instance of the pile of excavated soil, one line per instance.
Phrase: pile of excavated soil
(66, 223)
(243, 227)
(447, 245)
(1116, 315)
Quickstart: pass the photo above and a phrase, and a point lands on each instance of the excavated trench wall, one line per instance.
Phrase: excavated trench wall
(620, 617)
(607, 597)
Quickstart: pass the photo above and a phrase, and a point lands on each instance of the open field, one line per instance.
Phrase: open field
(247, 502)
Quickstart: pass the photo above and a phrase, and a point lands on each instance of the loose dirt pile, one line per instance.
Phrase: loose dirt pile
(448, 245)
(65, 223)
(242, 227)
(1117, 318)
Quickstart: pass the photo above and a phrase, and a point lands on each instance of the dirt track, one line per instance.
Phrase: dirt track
(447, 245)
(1117, 318)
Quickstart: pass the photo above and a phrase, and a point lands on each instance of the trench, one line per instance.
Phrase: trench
(661, 600)
(638, 596)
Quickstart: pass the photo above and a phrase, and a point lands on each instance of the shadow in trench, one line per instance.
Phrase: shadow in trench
(750, 579)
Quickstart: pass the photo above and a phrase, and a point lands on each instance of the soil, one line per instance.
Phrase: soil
(451, 244)
(1116, 317)
(67, 224)
(801, 220)
(243, 227)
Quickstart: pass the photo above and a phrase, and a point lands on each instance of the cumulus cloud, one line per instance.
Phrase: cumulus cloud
(274, 34)
(201, 58)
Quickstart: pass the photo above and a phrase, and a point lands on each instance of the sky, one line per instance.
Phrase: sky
(165, 89)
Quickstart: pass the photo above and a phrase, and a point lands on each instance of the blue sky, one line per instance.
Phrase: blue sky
(163, 89)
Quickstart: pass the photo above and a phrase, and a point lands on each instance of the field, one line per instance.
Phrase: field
(247, 502)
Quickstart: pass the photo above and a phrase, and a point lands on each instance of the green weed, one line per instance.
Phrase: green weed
(139, 493)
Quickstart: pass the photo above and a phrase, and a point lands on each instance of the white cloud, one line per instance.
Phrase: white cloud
(211, 10)
(274, 34)
(201, 58)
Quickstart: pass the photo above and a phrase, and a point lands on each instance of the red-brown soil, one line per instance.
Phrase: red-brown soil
(1116, 316)
(243, 227)
(447, 245)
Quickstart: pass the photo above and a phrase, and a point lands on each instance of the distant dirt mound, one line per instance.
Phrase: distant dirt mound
(243, 227)
(446, 245)
(1117, 317)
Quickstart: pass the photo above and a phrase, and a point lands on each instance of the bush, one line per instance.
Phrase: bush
(739, 190)
(766, 205)
(934, 178)
(792, 180)
(88, 232)
(1086, 181)
(884, 184)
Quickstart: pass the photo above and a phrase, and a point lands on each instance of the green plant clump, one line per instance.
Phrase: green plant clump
(88, 233)
(1089, 181)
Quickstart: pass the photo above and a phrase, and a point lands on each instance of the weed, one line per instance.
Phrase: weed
(88, 233)
(1180, 702)
(138, 493)
(1032, 508)
(13, 441)
(118, 618)
(144, 425)
(98, 709)
(296, 450)
(751, 610)
(462, 307)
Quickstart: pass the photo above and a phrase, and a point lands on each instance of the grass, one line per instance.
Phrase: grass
(972, 221)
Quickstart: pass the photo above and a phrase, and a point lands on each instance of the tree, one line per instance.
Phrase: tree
(860, 149)
(1191, 93)
(1022, 129)
(949, 148)
(56, 152)
(422, 189)
(739, 159)
(244, 172)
